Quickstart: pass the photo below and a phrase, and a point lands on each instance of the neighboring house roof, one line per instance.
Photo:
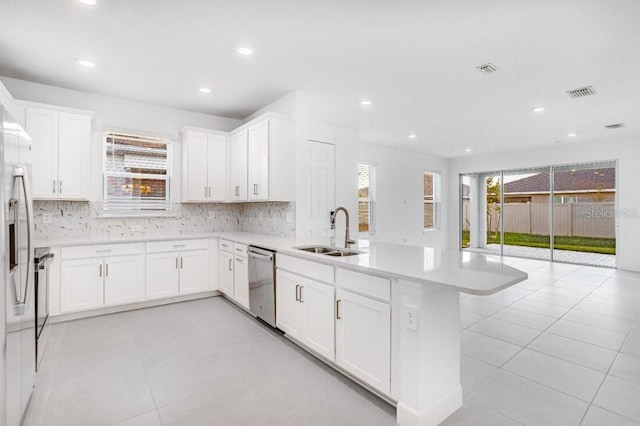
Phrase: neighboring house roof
(566, 181)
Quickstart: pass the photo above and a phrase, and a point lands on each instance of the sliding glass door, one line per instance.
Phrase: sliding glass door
(562, 213)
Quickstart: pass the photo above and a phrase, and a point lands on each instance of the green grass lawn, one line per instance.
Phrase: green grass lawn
(583, 244)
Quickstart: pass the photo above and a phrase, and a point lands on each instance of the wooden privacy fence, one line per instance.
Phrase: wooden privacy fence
(569, 219)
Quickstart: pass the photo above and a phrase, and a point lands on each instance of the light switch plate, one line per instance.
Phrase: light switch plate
(410, 317)
(47, 218)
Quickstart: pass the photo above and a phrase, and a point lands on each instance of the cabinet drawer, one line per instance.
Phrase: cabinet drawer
(103, 250)
(225, 245)
(176, 245)
(368, 285)
(317, 271)
(239, 249)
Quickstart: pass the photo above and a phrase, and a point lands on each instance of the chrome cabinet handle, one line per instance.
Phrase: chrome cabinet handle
(205, 191)
(103, 251)
(297, 288)
(301, 300)
(176, 263)
(230, 260)
(60, 186)
(237, 191)
(255, 189)
(106, 270)
(338, 309)
(179, 245)
(54, 186)
(209, 192)
(240, 260)
(181, 262)
(100, 274)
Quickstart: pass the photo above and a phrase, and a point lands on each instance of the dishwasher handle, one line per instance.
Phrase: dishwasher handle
(261, 257)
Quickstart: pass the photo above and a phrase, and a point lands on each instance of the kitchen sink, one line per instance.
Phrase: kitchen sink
(330, 251)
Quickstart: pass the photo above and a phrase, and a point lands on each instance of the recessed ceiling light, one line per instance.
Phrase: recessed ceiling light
(365, 102)
(539, 109)
(85, 62)
(412, 136)
(88, 2)
(205, 90)
(245, 51)
(571, 135)
(468, 150)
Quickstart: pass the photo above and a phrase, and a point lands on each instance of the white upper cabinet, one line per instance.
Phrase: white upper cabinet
(238, 163)
(204, 166)
(61, 147)
(258, 161)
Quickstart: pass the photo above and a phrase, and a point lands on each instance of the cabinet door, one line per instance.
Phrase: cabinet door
(363, 338)
(318, 301)
(162, 275)
(123, 279)
(196, 170)
(289, 311)
(217, 167)
(241, 281)
(194, 271)
(81, 286)
(238, 147)
(225, 270)
(42, 126)
(258, 161)
(74, 156)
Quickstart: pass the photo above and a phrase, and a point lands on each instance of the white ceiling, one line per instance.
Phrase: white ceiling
(415, 60)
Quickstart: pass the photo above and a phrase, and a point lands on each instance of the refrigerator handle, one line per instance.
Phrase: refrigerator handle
(22, 173)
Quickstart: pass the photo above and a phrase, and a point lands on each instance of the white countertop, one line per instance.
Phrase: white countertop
(468, 272)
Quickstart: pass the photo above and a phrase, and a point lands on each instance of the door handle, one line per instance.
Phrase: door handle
(338, 309)
(54, 186)
(237, 191)
(60, 186)
(301, 300)
(106, 270)
(255, 189)
(230, 261)
(181, 262)
(297, 288)
(100, 273)
(209, 192)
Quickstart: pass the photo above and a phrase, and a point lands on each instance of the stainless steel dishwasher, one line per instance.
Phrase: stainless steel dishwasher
(262, 284)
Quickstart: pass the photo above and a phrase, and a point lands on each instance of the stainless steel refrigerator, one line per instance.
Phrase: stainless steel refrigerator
(17, 310)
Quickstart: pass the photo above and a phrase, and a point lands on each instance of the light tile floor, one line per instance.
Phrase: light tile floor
(560, 348)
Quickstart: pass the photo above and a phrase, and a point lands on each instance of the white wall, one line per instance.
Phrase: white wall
(121, 115)
(626, 152)
(399, 195)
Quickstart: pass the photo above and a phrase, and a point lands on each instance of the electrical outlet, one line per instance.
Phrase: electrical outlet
(47, 218)
(136, 228)
(289, 217)
(410, 317)
(212, 215)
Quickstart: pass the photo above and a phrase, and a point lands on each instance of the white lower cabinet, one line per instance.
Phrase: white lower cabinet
(241, 280)
(82, 286)
(225, 269)
(123, 276)
(363, 338)
(94, 282)
(305, 311)
(177, 267)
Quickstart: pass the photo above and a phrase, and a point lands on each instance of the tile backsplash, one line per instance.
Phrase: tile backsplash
(84, 221)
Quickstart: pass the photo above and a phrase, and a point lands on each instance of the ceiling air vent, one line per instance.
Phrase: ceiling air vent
(615, 126)
(488, 68)
(581, 92)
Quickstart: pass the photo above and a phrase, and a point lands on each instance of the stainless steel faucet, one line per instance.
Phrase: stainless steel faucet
(347, 239)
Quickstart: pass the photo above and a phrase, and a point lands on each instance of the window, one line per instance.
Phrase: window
(137, 174)
(431, 183)
(366, 198)
(565, 199)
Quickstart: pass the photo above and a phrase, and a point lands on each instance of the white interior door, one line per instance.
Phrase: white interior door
(321, 181)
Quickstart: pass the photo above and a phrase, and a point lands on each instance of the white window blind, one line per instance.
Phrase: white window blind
(137, 175)
(431, 216)
(366, 198)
